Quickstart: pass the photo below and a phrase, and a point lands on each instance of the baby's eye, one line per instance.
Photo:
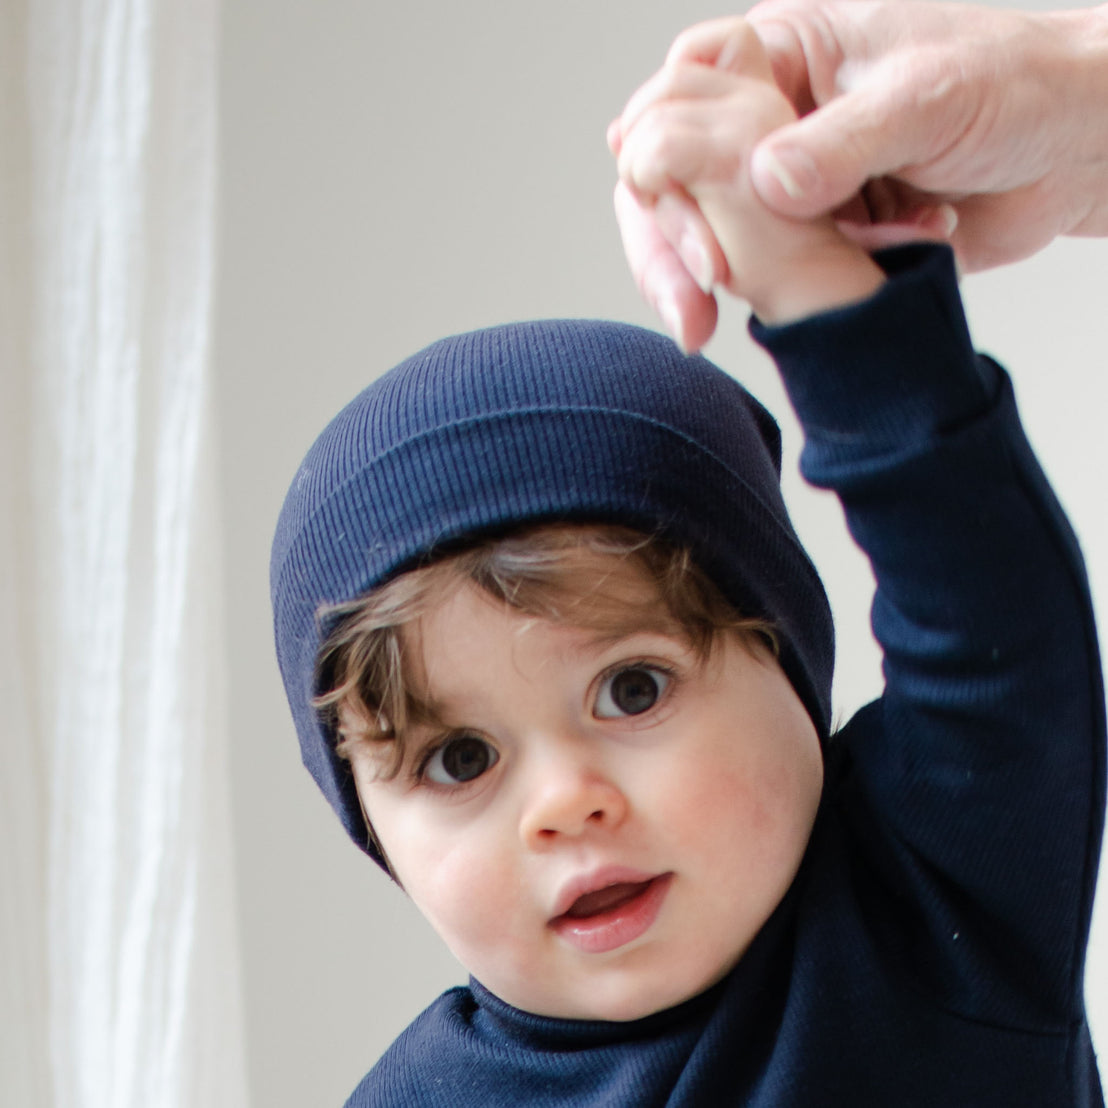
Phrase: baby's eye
(459, 760)
(630, 691)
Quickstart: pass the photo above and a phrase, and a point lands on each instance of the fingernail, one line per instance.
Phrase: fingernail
(697, 261)
(671, 318)
(950, 218)
(793, 169)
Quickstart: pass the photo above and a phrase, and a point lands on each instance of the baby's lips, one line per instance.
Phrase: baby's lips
(594, 881)
(607, 919)
(604, 900)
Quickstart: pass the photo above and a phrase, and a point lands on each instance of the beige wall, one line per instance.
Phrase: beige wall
(395, 172)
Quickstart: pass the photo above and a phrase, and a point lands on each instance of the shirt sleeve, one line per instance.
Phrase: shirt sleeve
(973, 789)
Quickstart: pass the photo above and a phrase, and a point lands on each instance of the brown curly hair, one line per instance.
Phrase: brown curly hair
(601, 578)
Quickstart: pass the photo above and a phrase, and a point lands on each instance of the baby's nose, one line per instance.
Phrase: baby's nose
(570, 799)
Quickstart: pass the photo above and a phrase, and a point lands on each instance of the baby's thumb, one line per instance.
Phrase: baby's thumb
(813, 166)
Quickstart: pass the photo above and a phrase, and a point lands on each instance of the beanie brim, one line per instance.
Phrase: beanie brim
(564, 420)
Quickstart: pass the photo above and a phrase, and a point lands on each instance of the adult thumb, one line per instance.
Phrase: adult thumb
(814, 165)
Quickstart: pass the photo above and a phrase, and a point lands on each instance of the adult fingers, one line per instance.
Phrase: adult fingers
(787, 59)
(614, 136)
(683, 226)
(669, 147)
(933, 224)
(688, 313)
(999, 229)
(814, 165)
(696, 131)
(730, 44)
(671, 83)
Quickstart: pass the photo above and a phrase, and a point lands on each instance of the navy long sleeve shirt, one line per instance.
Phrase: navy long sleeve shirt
(930, 953)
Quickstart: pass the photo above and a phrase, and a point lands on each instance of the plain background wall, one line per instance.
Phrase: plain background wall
(395, 172)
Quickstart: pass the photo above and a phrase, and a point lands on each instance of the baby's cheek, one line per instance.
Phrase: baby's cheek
(756, 813)
(467, 900)
(731, 797)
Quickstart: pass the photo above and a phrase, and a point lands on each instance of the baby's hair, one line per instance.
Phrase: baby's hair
(572, 574)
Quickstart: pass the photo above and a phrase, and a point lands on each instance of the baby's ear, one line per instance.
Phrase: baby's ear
(352, 721)
(358, 724)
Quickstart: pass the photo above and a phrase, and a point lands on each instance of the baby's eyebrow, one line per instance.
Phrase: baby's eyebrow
(604, 641)
(434, 711)
(428, 712)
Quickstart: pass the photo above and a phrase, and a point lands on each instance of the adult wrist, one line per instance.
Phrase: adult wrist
(1078, 82)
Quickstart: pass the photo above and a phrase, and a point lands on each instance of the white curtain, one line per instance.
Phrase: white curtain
(119, 981)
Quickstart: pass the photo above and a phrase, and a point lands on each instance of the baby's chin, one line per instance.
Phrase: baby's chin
(610, 997)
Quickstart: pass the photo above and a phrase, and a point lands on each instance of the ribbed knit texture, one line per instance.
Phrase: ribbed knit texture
(930, 952)
(557, 420)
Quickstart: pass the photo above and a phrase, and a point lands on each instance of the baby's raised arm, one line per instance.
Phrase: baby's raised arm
(684, 140)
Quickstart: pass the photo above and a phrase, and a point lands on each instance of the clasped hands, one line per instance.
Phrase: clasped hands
(870, 122)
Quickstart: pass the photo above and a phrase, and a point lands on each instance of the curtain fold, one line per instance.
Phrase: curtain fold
(119, 927)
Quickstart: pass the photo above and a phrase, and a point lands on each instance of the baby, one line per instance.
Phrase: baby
(560, 664)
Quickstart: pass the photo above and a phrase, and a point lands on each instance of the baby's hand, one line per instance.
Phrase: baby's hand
(683, 145)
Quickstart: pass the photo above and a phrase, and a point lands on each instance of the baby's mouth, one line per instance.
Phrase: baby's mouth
(608, 918)
(605, 900)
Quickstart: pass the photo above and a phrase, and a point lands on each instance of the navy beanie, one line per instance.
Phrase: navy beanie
(554, 420)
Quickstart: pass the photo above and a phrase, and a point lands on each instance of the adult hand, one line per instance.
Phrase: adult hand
(991, 119)
(686, 136)
(670, 247)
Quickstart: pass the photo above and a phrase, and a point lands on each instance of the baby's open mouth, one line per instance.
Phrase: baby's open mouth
(605, 919)
(604, 900)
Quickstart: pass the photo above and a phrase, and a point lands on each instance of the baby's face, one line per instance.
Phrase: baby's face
(601, 827)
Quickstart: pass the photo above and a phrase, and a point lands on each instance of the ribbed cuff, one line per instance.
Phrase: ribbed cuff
(892, 369)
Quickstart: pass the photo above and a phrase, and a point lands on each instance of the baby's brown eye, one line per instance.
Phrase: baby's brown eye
(630, 692)
(460, 760)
